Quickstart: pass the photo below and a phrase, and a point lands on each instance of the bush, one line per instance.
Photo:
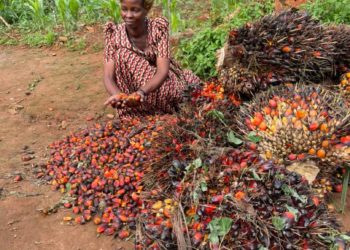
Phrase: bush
(330, 11)
(199, 52)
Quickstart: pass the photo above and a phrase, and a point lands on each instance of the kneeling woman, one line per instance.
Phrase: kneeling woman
(138, 62)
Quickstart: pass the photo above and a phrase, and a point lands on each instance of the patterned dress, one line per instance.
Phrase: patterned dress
(133, 68)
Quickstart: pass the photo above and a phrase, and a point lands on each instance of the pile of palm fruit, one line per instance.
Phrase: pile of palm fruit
(210, 195)
(213, 175)
(287, 47)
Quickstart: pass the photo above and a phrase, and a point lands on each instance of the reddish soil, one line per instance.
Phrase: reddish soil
(66, 87)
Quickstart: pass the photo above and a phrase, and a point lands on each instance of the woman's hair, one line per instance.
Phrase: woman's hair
(147, 4)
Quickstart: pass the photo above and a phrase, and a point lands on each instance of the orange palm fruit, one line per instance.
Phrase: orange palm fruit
(312, 151)
(286, 49)
(321, 153)
(324, 127)
(300, 114)
(325, 143)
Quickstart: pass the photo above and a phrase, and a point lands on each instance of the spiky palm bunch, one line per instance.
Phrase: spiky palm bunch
(287, 47)
(298, 122)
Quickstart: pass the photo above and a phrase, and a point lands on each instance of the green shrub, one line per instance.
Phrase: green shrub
(198, 53)
(330, 11)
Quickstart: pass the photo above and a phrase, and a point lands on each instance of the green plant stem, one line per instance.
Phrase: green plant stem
(345, 189)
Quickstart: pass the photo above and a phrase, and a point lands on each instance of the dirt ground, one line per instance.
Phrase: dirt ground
(45, 94)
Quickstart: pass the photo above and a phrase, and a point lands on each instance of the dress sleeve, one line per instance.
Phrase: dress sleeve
(110, 43)
(162, 32)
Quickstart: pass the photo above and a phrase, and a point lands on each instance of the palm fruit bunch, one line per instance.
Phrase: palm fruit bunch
(240, 81)
(289, 46)
(101, 170)
(237, 200)
(297, 123)
(344, 86)
(341, 36)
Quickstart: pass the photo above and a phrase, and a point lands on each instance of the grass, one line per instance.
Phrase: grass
(38, 39)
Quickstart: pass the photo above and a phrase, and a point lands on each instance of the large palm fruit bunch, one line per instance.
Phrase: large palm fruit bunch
(341, 37)
(298, 123)
(284, 47)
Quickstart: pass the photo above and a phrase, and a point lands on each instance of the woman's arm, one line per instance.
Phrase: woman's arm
(158, 79)
(109, 78)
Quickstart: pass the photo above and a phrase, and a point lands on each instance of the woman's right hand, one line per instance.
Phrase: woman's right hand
(116, 101)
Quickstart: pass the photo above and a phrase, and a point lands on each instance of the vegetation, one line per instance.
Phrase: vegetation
(41, 22)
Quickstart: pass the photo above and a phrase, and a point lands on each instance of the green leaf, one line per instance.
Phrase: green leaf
(68, 187)
(233, 140)
(253, 137)
(255, 175)
(219, 228)
(290, 191)
(216, 114)
(197, 163)
(204, 186)
(278, 222)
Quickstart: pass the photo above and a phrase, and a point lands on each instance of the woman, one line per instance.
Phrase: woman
(138, 63)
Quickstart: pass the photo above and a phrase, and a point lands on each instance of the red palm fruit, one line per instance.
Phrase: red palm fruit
(80, 220)
(301, 157)
(313, 126)
(100, 229)
(316, 201)
(76, 210)
(289, 216)
(109, 231)
(123, 234)
(252, 146)
(338, 188)
(197, 238)
(209, 209)
(217, 199)
(273, 103)
(123, 218)
(67, 205)
(292, 157)
(134, 196)
(17, 178)
(345, 139)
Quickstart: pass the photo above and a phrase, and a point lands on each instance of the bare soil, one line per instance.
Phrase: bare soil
(44, 95)
(63, 87)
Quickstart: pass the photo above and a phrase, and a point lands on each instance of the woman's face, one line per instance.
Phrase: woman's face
(133, 12)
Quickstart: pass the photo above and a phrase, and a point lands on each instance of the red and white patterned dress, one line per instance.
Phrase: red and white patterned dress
(133, 68)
